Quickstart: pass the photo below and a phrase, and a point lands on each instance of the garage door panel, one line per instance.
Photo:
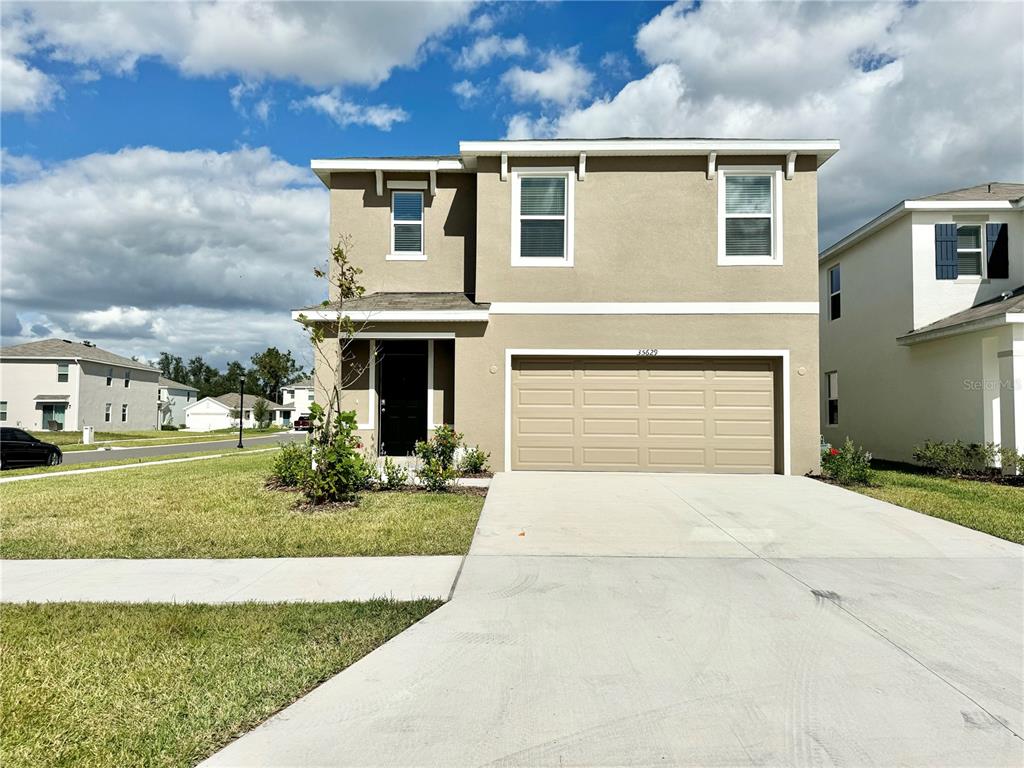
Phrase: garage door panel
(662, 415)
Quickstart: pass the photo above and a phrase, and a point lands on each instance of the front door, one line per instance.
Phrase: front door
(53, 415)
(402, 366)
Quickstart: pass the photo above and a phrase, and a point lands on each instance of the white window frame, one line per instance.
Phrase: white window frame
(110, 376)
(124, 413)
(66, 373)
(570, 178)
(127, 378)
(831, 293)
(830, 396)
(409, 186)
(775, 257)
(3, 410)
(108, 411)
(982, 261)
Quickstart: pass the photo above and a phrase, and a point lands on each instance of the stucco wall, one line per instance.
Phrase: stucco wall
(140, 395)
(21, 381)
(175, 400)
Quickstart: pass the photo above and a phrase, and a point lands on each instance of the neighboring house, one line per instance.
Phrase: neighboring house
(619, 304)
(221, 412)
(173, 398)
(61, 384)
(922, 324)
(298, 395)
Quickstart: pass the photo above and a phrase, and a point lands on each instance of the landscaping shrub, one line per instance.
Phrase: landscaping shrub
(436, 476)
(474, 461)
(441, 446)
(848, 465)
(1011, 461)
(338, 471)
(394, 475)
(956, 459)
(168, 428)
(290, 464)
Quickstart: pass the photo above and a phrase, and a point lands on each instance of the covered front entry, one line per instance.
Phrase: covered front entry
(402, 371)
(644, 414)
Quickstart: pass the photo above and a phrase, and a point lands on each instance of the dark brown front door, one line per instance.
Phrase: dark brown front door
(403, 395)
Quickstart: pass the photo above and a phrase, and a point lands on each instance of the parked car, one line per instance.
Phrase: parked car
(20, 449)
(302, 424)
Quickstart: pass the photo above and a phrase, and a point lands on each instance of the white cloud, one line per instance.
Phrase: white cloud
(919, 106)
(251, 100)
(562, 81)
(345, 112)
(466, 90)
(317, 44)
(145, 249)
(485, 49)
(616, 64)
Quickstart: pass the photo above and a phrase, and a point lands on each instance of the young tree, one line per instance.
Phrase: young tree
(261, 412)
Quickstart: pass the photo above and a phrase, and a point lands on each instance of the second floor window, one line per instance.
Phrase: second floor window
(834, 299)
(542, 218)
(127, 378)
(969, 249)
(110, 376)
(62, 372)
(748, 219)
(406, 223)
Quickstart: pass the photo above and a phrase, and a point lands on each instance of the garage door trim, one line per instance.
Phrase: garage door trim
(780, 354)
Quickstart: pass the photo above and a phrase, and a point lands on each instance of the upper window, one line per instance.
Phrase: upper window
(406, 224)
(969, 249)
(110, 376)
(749, 225)
(834, 300)
(542, 218)
(832, 397)
(127, 378)
(62, 371)
(3, 410)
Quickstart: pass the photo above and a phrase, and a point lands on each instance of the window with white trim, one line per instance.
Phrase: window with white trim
(124, 411)
(127, 378)
(969, 250)
(406, 223)
(542, 213)
(832, 397)
(106, 411)
(3, 410)
(835, 307)
(110, 376)
(62, 372)
(748, 221)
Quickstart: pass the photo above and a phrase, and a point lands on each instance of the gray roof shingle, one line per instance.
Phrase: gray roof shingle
(231, 400)
(165, 382)
(993, 190)
(63, 349)
(405, 301)
(981, 311)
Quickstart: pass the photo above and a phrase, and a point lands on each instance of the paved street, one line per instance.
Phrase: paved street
(82, 457)
(605, 619)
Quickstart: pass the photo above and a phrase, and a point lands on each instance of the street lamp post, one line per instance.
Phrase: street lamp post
(241, 408)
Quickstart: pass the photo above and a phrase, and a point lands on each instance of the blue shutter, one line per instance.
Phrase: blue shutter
(997, 251)
(945, 252)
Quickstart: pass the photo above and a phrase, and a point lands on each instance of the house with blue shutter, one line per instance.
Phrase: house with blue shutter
(922, 324)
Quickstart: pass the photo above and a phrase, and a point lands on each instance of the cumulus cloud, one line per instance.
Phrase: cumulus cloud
(918, 105)
(466, 90)
(145, 250)
(485, 49)
(317, 44)
(344, 112)
(562, 80)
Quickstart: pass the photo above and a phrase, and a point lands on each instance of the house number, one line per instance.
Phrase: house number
(647, 352)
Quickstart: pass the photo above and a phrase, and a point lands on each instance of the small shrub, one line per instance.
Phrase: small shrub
(1011, 461)
(338, 471)
(474, 461)
(168, 428)
(436, 476)
(956, 459)
(394, 475)
(848, 465)
(290, 464)
(441, 446)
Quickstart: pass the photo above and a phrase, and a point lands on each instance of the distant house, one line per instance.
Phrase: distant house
(221, 412)
(173, 397)
(298, 395)
(57, 384)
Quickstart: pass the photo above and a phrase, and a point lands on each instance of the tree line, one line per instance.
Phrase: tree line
(269, 371)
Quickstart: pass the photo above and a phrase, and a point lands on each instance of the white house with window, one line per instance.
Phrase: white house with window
(173, 397)
(299, 397)
(58, 384)
(224, 411)
(922, 318)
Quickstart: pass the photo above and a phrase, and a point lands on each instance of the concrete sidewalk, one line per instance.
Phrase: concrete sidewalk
(285, 579)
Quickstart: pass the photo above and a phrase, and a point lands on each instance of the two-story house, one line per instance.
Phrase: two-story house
(605, 304)
(298, 395)
(173, 396)
(57, 384)
(922, 324)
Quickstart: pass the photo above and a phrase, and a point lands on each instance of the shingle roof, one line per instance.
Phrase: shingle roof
(407, 301)
(982, 311)
(231, 400)
(993, 190)
(308, 383)
(165, 382)
(63, 349)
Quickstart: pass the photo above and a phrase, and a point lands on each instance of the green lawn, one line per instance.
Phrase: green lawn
(121, 462)
(87, 684)
(219, 508)
(988, 507)
(72, 441)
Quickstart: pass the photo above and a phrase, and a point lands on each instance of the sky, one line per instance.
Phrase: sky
(156, 191)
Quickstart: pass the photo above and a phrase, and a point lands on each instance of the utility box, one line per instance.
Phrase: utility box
(88, 435)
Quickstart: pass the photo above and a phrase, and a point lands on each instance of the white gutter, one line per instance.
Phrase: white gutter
(396, 315)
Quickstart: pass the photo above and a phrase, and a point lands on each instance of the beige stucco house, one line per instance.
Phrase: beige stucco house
(626, 304)
(922, 324)
(62, 384)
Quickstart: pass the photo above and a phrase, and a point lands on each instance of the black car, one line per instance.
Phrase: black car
(19, 449)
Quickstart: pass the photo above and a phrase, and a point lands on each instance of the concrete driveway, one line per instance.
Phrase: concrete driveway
(618, 619)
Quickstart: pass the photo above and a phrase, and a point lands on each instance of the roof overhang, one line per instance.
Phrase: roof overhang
(52, 398)
(908, 206)
(324, 168)
(981, 324)
(394, 316)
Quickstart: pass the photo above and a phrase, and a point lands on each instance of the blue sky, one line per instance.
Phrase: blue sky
(156, 190)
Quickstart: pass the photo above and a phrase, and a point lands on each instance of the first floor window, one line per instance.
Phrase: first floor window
(968, 249)
(407, 222)
(748, 215)
(3, 410)
(124, 412)
(832, 396)
(834, 302)
(62, 372)
(106, 412)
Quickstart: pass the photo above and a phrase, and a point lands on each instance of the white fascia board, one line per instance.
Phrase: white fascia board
(982, 324)
(324, 168)
(863, 231)
(823, 149)
(655, 308)
(957, 205)
(396, 316)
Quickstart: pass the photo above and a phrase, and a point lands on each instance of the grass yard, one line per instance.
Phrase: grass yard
(987, 507)
(115, 462)
(219, 508)
(88, 684)
(72, 441)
